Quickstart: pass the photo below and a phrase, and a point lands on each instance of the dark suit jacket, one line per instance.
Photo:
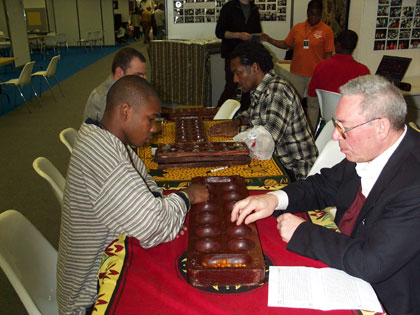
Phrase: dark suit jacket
(384, 248)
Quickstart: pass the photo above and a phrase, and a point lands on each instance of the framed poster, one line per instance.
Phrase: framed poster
(336, 14)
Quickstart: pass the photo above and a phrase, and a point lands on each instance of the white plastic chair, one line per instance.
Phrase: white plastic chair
(52, 175)
(328, 157)
(23, 80)
(49, 73)
(324, 136)
(328, 102)
(86, 40)
(97, 37)
(49, 41)
(227, 110)
(29, 262)
(61, 40)
(68, 137)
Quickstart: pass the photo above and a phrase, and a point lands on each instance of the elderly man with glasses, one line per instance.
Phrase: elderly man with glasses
(376, 190)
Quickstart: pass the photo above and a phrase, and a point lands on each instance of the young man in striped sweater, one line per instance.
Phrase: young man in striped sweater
(109, 192)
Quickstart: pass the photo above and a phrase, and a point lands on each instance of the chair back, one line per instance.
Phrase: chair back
(227, 110)
(328, 157)
(25, 75)
(29, 262)
(52, 66)
(327, 103)
(95, 35)
(52, 175)
(61, 38)
(88, 36)
(50, 41)
(324, 136)
(68, 138)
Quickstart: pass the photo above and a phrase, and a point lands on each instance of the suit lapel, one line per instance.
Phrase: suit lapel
(388, 173)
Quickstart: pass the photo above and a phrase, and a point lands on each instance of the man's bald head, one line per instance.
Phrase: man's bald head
(130, 89)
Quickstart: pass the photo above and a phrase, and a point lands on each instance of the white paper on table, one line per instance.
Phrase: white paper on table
(319, 288)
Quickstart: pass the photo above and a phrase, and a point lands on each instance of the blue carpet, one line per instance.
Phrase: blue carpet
(71, 61)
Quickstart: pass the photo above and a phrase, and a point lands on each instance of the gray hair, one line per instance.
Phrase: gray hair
(381, 98)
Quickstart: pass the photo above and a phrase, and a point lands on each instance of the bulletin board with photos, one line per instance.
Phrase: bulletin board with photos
(397, 25)
(208, 11)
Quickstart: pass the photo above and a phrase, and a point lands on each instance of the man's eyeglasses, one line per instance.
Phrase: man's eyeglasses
(343, 130)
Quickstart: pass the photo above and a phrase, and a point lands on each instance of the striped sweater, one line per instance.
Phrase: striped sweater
(108, 192)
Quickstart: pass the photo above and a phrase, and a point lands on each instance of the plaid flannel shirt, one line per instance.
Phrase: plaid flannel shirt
(276, 107)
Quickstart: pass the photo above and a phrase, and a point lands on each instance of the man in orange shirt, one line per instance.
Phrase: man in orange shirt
(311, 41)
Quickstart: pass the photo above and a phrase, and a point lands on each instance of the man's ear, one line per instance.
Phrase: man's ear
(119, 73)
(255, 67)
(124, 111)
(384, 127)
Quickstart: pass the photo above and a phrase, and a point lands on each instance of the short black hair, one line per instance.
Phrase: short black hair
(123, 58)
(315, 5)
(251, 51)
(348, 40)
(130, 89)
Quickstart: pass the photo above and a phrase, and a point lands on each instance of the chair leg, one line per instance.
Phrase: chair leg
(36, 95)
(58, 84)
(49, 87)
(23, 97)
(40, 86)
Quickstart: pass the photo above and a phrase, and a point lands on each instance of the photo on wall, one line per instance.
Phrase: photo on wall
(397, 25)
(189, 11)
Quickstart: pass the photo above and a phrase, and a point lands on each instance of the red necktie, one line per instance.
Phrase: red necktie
(350, 216)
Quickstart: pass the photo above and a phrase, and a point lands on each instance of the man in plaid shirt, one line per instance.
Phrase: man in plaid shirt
(274, 105)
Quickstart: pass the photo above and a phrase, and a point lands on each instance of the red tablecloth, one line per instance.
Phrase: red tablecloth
(152, 281)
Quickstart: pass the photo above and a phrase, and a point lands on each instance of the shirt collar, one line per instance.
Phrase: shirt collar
(370, 171)
(255, 94)
(312, 26)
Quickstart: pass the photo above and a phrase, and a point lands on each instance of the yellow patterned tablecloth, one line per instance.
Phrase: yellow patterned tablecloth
(259, 175)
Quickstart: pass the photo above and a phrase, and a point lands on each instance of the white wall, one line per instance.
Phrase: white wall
(29, 4)
(108, 22)
(17, 28)
(363, 21)
(66, 20)
(76, 17)
(89, 16)
(3, 22)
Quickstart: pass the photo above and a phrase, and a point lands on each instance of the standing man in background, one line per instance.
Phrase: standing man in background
(238, 20)
(136, 22)
(146, 21)
(311, 41)
(160, 20)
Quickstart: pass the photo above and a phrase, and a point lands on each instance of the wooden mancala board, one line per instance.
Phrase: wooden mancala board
(204, 113)
(219, 251)
(190, 129)
(201, 154)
